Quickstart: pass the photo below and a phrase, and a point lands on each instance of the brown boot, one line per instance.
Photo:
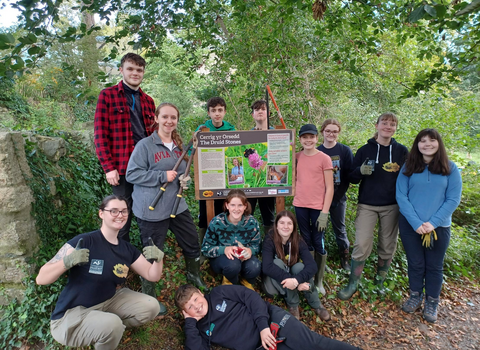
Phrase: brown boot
(322, 313)
(294, 311)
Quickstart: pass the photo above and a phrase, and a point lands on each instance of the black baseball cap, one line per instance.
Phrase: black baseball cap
(308, 129)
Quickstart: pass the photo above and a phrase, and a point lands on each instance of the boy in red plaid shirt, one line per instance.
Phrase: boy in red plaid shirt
(124, 116)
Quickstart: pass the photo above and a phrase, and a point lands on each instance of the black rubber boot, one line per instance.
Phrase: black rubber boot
(193, 273)
(344, 259)
(355, 274)
(148, 288)
(321, 261)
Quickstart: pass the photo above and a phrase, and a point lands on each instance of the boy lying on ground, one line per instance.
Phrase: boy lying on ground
(236, 317)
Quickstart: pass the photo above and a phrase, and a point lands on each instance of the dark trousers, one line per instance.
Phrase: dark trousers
(337, 217)
(307, 223)
(299, 336)
(267, 209)
(425, 266)
(182, 227)
(231, 269)
(202, 216)
(125, 189)
(274, 287)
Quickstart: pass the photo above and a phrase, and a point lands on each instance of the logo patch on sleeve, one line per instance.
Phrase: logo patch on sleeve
(96, 267)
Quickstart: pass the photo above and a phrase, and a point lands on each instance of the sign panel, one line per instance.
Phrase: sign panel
(260, 162)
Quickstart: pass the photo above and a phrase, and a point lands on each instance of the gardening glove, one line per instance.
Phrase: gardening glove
(151, 251)
(184, 181)
(79, 256)
(427, 240)
(366, 169)
(322, 221)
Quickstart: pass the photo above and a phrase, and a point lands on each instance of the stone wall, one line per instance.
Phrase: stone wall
(18, 237)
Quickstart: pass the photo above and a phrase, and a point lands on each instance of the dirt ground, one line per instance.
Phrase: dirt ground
(381, 325)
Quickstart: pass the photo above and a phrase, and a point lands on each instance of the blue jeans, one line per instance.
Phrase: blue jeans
(337, 217)
(307, 223)
(425, 266)
(231, 269)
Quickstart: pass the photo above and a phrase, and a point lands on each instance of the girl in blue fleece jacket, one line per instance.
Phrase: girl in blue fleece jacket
(429, 189)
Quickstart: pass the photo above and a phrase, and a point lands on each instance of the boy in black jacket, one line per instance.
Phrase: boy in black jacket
(236, 317)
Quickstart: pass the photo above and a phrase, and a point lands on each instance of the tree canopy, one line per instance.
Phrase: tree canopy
(270, 31)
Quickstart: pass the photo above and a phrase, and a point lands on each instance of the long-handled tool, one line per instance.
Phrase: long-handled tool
(164, 186)
(276, 107)
(187, 171)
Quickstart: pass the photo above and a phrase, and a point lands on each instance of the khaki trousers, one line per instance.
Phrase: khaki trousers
(102, 325)
(367, 217)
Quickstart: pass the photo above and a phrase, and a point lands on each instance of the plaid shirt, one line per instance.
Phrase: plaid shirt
(113, 132)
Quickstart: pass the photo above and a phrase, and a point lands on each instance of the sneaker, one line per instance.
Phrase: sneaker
(225, 281)
(322, 313)
(430, 309)
(413, 303)
(294, 311)
(247, 284)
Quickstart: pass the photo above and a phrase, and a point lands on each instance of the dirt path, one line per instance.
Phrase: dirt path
(381, 325)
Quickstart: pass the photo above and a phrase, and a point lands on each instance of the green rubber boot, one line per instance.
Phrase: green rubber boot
(148, 288)
(193, 273)
(382, 270)
(355, 274)
(201, 235)
(321, 261)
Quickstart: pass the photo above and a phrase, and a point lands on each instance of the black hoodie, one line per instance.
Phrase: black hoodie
(378, 189)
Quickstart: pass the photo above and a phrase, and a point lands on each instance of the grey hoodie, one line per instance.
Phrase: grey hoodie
(147, 170)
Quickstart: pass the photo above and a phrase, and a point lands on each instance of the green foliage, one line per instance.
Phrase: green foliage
(12, 100)
(28, 321)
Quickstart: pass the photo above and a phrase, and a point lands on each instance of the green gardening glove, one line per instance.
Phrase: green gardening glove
(322, 221)
(79, 256)
(151, 252)
(366, 169)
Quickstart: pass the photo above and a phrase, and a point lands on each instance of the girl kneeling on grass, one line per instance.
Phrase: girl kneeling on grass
(429, 188)
(232, 242)
(284, 273)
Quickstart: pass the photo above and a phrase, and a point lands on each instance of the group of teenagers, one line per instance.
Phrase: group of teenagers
(138, 145)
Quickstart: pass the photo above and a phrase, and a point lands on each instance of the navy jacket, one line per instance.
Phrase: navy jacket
(235, 317)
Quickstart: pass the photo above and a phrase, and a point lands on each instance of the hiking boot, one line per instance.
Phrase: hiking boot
(355, 274)
(321, 261)
(430, 309)
(245, 283)
(344, 260)
(413, 303)
(294, 311)
(322, 313)
(226, 282)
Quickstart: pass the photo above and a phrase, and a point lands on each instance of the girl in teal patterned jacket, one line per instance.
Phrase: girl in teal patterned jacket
(232, 241)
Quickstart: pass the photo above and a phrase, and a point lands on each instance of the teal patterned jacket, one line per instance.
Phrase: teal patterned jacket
(221, 233)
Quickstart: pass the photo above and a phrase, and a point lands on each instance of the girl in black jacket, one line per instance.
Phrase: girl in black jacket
(284, 274)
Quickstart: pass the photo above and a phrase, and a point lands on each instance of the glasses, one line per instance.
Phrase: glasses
(115, 212)
(331, 132)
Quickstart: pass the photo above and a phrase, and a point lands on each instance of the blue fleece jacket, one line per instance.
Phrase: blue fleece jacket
(426, 197)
